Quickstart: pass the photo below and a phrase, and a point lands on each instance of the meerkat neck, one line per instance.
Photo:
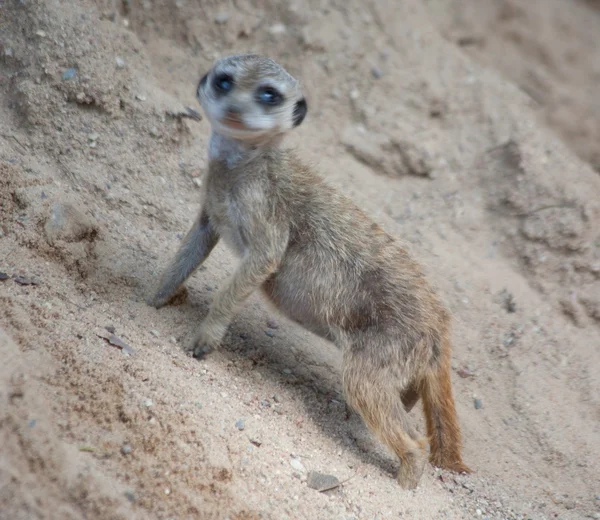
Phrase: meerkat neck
(234, 151)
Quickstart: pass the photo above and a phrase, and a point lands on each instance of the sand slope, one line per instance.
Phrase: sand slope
(99, 180)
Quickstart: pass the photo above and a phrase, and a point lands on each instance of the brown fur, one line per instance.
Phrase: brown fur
(324, 264)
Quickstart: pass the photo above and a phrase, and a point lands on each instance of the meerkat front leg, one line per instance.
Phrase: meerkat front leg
(261, 259)
(195, 248)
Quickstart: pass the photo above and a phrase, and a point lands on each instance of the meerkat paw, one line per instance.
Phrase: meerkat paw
(411, 470)
(207, 339)
(160, 299)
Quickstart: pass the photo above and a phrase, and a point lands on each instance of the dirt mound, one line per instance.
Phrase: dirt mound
(103, 414)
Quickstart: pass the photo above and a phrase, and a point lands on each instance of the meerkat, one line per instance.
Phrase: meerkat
(321, 261)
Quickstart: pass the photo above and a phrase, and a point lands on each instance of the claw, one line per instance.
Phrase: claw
(201, 351)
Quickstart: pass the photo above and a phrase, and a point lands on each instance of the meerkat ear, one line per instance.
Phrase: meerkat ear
(300, 111)
(202, 81)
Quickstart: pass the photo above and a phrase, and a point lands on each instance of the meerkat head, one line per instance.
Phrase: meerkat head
(251, 98)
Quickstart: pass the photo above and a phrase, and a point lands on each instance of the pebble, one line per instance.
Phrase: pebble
(120, 62)
(155, 333)
(277, 28)
(270, 333)
(129, 495)
(154, 131)
(297, 465)
(321, 481)
(240, 424)
(126, 449)
(93, 136)
(221, 18)
(477, 403)
(69, 74)
(272, 324)
(376, 72)
(69, 223)
(287, 371)
(148, 403)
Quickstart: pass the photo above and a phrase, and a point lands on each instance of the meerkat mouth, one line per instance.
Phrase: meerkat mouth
(234, 123)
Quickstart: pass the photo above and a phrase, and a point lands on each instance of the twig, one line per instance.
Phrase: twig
(189, 113)
(339, 484)
(14, 137)
(543, 208)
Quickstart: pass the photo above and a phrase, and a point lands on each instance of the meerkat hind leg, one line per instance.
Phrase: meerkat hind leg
(196, 246)
(440, 415)
(374, 393)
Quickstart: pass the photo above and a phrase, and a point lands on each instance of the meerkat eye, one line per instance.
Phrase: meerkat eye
(269, 96)
(223, 83)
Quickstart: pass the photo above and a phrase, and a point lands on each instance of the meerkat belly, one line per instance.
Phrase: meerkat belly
(317, 295)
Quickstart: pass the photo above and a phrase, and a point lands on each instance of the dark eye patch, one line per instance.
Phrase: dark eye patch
(223, 83)
(269, 96)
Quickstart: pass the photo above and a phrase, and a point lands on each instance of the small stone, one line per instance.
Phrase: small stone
(276, 398)
(321, 481)
(41, 34)
(69, 74)
(24, 280)
(110, 328)
(477, 403)
(222, 18)
(297, 465)
(129, 495)
(277, 29)
(140, 97)
(197, 181)
(3, 276)
(354, 94)
(68, 222)
(93, 136)
(167, 491)
(120, 62)
(465, 372)
(240, 424)
(155, 333)
(376, 73)
(287, 371)
(479, 512)
(154, 131)
(126, 449)
(148, 403)
(272, 324)
(270, 333)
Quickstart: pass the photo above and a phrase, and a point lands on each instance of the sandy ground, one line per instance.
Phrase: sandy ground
(468, 129)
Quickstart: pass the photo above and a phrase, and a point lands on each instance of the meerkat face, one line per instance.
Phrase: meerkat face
(250, 97)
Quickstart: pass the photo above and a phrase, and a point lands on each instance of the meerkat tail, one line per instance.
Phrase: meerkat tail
(440, 415)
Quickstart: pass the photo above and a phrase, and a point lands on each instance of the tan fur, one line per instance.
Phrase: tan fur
(323, 263)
